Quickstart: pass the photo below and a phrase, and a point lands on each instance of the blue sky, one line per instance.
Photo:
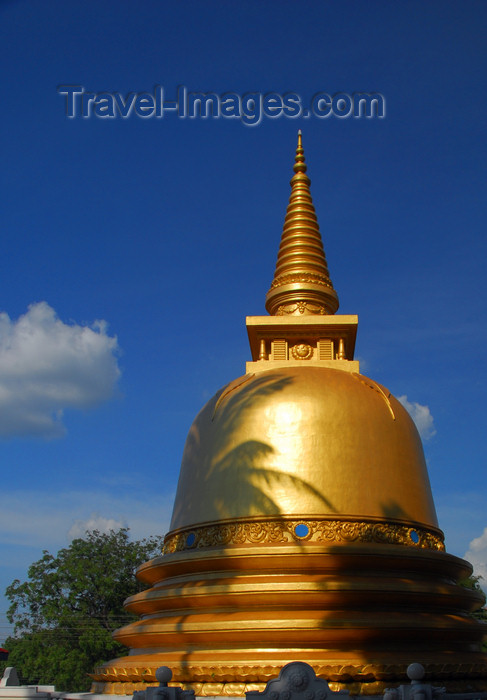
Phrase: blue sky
(132, 249)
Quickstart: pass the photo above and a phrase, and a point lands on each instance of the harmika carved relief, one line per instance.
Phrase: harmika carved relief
(302, 351)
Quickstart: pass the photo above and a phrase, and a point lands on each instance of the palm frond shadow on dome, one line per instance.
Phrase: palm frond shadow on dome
(244, 464)
(393, 509)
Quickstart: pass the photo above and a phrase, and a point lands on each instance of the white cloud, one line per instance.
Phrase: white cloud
(477, 556)
(95, 522)
(47, 366)
(421, 416)
(50, 520)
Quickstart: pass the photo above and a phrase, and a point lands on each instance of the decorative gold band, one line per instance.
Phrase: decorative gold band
(363, 679)
(308, 277)
(301, 307)
(291, 531)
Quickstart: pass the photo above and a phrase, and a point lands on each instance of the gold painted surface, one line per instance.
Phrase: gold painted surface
(235, 615)
(301, 283)
(283, 530)
(239, 592)
(331, 629)
(303, 440)
(263, 366)
(303, 560)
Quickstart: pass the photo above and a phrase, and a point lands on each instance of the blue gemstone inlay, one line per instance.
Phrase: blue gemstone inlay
(414, 536)
(301, 530)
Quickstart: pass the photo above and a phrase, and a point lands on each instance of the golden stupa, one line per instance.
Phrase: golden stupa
(303, 527)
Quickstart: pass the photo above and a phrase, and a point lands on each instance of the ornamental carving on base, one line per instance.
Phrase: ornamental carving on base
(323, 531)
(236, 680)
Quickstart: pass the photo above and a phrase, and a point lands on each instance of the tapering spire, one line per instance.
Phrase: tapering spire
(301, 282)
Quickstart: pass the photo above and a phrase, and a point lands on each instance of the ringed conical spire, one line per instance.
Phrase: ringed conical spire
(301, 283)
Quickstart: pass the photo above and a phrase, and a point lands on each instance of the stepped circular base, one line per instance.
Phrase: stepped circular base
(227, 619)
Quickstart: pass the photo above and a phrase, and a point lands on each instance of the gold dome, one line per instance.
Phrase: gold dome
(302, 442)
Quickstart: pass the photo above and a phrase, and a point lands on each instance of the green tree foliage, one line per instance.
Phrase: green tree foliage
(66, 611)
(473, 582)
